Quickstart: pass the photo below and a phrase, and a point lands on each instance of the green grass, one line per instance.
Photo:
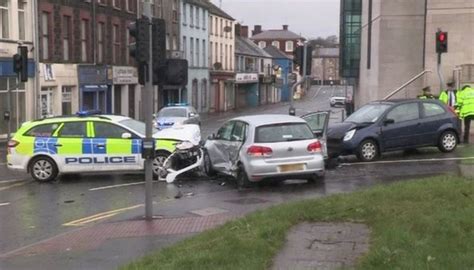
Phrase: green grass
(426, 224)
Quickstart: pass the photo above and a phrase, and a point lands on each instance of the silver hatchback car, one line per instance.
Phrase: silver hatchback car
(254, 148)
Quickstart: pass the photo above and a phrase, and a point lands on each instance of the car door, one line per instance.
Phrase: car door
(217, 148)
(118, 147)
(401, 127)
(318, 122)
(237, 139)
(433, 117)
(72, 153)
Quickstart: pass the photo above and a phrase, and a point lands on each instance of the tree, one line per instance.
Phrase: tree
(328, 42)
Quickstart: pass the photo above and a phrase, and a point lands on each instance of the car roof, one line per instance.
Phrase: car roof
(402, 100)
(269, 119)
(72, 118)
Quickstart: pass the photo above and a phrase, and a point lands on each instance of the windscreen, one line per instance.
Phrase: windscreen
(368, 114)
(172, 112)
(283, 133)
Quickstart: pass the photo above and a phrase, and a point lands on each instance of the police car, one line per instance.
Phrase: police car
(88, 143)
(176, 113)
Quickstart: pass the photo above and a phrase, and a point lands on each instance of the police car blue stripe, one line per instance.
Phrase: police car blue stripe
(136, 146)
(91, 146)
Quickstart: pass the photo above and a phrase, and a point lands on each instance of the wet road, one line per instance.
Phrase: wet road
(31, 212)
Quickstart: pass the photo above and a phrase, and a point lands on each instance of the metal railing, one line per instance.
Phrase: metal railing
(406, 84)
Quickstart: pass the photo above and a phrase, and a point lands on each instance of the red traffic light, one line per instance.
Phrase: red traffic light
(442, 37)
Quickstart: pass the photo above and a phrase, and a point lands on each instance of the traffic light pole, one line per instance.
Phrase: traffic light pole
(305, 63)
(292, 110)
(148, 112)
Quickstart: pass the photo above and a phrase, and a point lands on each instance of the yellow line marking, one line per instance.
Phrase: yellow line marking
(14, 185)
(100, 216)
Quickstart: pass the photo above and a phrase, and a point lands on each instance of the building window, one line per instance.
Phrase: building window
(216, 32)
(66, 38)
(66, 100)
(225, 32)
(175, 10)
(262, 66)
(4, 33)
(289, 46)
(191, 16)
(276, 44)
(102, 2)
(217, 52)
(21, 20)
(222, 28)
(204, 19)
(116, 3)
(175, 42)
(100, 42)
(84, 40)
(116, 47)
(191, 52)
(204, 64)
(211, 61)
(262, 44)
(211, 28)
(45, 35)
(197, 52)
(168, 42)
(225, 58)
(221, 55)
(198, 11)
(185, 52)
(127, 43)
(17, 94)
(204, 94)
(185, 16)
(231, 56)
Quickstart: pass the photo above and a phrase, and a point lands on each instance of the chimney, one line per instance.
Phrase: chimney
(238, 28)
(285, 27)
(257, 29)
(244, 31)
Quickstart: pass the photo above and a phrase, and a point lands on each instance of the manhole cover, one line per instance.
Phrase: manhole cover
(210, 211)
(248, 201)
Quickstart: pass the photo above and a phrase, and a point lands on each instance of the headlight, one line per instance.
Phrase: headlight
(349, 135)
(184, 145)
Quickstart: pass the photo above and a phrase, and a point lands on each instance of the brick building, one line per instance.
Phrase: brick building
(84, 57)
(283, 39)
(325, 67)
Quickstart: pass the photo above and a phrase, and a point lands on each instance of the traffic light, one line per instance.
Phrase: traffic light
(20, 63)
(441, 42)
(298, 58)
(158, 50)
(140, 49)
(176, 72)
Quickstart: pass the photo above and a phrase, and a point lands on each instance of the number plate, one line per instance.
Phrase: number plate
(291, 167)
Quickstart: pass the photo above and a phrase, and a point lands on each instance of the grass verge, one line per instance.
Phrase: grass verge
(426, 224)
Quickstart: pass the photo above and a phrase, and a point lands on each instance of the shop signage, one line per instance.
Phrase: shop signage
(125, 75)
(246, 78)
(90, 74)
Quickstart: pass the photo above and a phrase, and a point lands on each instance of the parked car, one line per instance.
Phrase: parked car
(176, 113)
(333, 101)
(383, 126)
(259, 147)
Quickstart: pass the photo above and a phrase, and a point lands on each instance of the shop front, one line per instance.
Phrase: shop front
(222, 94)
(247, 90)
(95, 89)
(125, 81)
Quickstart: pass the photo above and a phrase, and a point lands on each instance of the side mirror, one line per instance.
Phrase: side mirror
(126, 135)
(192, 114)
(388, 121)
(212, 137)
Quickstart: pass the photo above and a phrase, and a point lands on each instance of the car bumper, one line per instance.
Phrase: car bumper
(339, 148)
(260, 169)
(17, 163)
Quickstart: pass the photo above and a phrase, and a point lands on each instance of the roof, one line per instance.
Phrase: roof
(247, 47)
(213, 9)
(201, 3)
(72, 118)
(269, 119)
(275, 52)
(327, 52)
(276, 34)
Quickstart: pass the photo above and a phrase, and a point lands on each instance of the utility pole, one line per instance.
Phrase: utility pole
(305, 64)
(148, 111)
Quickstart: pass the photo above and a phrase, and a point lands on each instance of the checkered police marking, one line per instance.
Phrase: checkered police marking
(46, 145)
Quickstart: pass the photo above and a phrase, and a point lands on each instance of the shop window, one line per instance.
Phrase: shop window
(66, 100)
(4, 26)
(13, 102)
(204, 94)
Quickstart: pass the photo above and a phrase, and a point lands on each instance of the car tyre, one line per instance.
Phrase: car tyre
(159, 172)
(448, 141)
(43, 169)
(242, 178)
(367, 151)
(208, 165)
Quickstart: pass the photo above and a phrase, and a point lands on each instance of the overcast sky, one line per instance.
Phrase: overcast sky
(311, 18)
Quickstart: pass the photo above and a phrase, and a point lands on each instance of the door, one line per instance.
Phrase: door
(237, 139)
(46, 102)
(115, 147)
(218, 148)
(402, 126)
(434, 115)
(72, 153)
(318, 122)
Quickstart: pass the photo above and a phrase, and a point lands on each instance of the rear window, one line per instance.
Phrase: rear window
(42, 130)
(283, 133)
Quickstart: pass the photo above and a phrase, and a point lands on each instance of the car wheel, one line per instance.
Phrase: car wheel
(43, 169)
(448, 141)
(208, 165)
(367, 151)
(242, 178)
(159, 171)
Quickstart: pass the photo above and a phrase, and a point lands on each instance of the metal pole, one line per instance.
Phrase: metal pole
(147, 110)
(440, 74)
(305, 64)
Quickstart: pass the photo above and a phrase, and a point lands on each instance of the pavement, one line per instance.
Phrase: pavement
(95, 221)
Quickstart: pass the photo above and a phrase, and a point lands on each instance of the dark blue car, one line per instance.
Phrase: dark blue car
(383, 126)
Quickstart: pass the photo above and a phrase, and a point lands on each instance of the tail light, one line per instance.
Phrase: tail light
(12, 144)
(259, 151)
(315, 147)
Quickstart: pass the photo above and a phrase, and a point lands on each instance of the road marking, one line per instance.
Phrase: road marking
(99, 216)
(406, 161)
(4, 204)
(116, 186)
(11, 181)
(12, 186)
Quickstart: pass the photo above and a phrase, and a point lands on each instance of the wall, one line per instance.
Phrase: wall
(226, 39)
